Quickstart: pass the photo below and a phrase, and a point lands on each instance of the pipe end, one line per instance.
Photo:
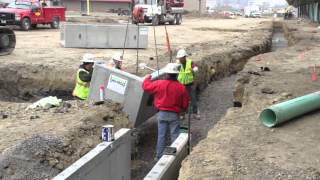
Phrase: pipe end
(268, 118)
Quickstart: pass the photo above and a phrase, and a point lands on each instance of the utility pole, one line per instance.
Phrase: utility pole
(200, 7)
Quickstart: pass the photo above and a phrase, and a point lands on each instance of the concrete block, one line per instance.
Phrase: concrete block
(108, 161)
(73, 35)
(124, 88)
(167, 168)
(97, 36)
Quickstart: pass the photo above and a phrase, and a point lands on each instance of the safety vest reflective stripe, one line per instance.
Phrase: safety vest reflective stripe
(82, 88)
(185, 75)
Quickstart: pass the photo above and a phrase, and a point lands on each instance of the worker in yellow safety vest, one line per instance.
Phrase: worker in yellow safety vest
(116, 61)
(84, 74)
(186, 77)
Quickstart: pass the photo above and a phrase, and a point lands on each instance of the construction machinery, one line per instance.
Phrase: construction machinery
(28, 14)
(7, 41)
(158, 12)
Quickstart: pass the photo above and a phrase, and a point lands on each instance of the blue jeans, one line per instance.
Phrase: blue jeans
(167, 120)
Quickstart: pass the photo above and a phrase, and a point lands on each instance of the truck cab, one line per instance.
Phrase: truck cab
(158, 11)
(27, 14)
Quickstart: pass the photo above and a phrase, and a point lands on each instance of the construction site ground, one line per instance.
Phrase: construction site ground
(37, 144)
(239, 146)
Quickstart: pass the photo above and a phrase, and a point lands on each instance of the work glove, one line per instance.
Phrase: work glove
(195, 69)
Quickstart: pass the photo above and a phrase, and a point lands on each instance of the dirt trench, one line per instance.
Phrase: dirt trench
(282, 37)
(24, 82)
(239, 147)
(214, 82)
(28, 81)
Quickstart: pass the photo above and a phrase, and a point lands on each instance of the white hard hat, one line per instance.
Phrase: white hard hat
(117, 57)
(171, 68)
(181, 53)
(88, 58)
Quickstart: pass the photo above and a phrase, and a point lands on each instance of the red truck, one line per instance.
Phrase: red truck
(27, 14)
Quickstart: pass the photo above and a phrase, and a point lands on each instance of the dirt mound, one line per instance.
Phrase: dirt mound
(195, 14)
(240, 147)
(54, 138)
(220, 29)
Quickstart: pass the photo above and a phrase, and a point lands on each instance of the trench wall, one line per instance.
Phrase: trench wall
(24, 80)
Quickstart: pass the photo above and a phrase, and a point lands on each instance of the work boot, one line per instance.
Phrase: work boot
(197, 115)
(182, 117)
(155, 160)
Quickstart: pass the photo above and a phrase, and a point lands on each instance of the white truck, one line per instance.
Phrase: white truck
(252, 11)
(158, 11)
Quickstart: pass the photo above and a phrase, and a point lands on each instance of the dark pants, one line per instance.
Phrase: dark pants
(83, 7)
(192, 94)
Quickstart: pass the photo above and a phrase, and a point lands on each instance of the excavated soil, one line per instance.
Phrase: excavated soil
(239, 146)
(49, 140)
(37, 144)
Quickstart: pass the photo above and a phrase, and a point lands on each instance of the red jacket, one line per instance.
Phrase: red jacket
(169, 95)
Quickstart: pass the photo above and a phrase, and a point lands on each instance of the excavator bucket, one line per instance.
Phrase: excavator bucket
(7, 41)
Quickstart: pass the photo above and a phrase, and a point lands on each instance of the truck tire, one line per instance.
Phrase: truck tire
(26, 24)
(55, 23)
(178, 19)
(155, 20)
(173, 21)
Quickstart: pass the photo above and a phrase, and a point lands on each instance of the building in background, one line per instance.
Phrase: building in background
(98, 5)
(115, 5)
(255, 2)
(193, 5)
(307, 9)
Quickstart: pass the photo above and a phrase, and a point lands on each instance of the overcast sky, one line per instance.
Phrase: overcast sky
(274, 2)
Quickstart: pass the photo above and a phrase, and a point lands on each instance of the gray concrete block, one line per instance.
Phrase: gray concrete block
(124, 88)
(167, 168)
(73, 35)
(108, 161)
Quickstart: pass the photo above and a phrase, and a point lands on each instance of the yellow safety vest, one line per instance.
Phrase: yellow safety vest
(185, 75)
(82, 88)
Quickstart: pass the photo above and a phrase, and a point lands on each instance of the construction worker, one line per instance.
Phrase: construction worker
(186, 77)
(170, 99)
(116, 61)
(84, 74)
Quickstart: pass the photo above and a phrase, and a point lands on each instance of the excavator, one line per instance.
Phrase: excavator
(7, 41)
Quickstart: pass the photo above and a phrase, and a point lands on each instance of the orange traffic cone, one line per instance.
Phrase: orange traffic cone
(314, 75)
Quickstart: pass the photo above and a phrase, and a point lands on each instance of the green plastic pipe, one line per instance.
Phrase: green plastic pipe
(288, 110)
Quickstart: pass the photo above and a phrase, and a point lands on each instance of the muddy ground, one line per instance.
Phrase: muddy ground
(40, 66)
(239, 146)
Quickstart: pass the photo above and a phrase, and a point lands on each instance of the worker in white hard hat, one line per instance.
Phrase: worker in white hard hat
(170, 99)
(116, 61)
(84, 74)
(186, 77)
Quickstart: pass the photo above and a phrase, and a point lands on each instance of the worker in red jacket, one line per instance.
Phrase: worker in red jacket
(170, 99)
